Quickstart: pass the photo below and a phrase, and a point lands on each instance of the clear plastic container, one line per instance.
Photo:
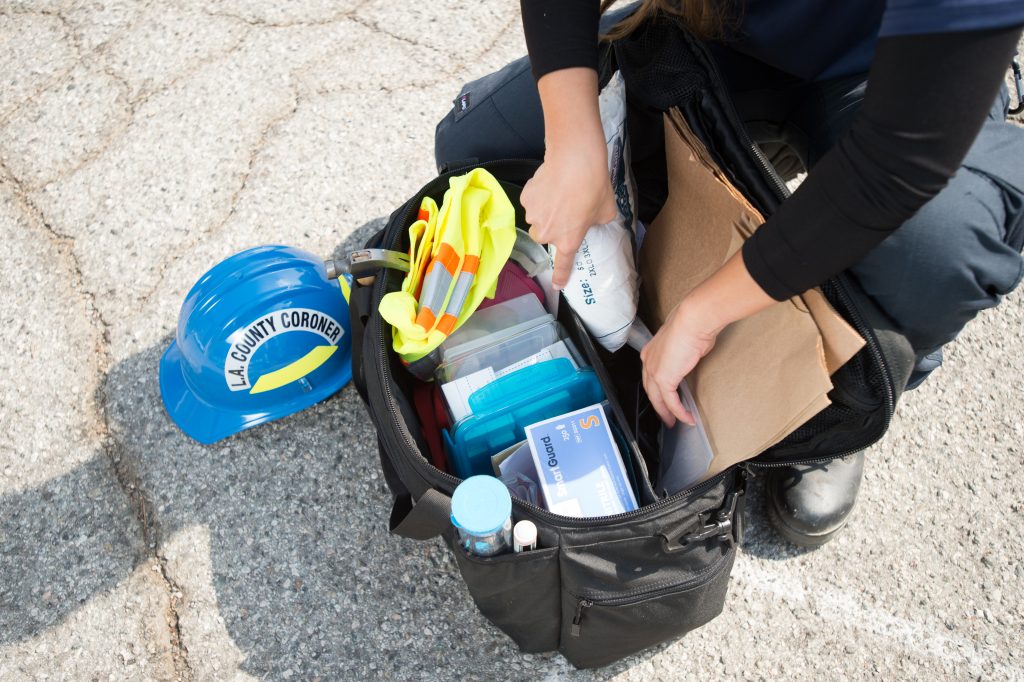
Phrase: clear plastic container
(501, 349)
(493, 320)
(686, 453)
(482, 515)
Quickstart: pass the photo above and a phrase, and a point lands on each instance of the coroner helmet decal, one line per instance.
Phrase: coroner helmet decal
(260, 336)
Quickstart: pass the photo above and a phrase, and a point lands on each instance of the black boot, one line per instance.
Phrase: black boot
(809, 503)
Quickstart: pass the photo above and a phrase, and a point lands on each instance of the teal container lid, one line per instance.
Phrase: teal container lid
(481, 505)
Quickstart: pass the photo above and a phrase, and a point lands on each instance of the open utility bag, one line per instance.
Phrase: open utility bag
(600, 589)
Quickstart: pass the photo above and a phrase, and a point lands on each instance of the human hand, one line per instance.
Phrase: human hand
(689, 333)
(571, 190)
(569, 193)
(675, 350)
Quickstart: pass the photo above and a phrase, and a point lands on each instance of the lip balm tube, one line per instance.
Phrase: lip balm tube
(524, 536)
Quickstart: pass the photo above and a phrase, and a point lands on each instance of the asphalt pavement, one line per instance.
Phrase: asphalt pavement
(142, 142)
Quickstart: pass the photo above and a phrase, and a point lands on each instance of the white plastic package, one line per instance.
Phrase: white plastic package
(603, 287)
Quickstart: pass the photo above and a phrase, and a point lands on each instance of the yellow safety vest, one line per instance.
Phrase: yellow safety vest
(455, 256)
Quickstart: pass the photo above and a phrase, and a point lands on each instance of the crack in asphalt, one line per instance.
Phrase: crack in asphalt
(264, 23)
(124, 467)
(498, 36)
(64, 244)
(54, 80)
(265, 135)
(376, 28)
(179, 651)
(128, 117)
(192, 69)
(72, 31)
(312, 90)
(132, 107)
(69, 27)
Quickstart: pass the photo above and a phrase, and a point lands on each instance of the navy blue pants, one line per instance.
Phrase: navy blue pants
(958, 255)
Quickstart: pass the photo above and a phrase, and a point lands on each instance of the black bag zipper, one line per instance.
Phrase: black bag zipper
(407, 444)
(838, 283)
(431, 473)
(768, 171)
(584, 603)
(890, 398)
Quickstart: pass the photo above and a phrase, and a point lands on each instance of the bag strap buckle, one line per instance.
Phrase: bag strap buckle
(722, 523)
(1018, 82)
(725, 523)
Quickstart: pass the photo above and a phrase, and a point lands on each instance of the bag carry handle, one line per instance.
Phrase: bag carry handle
(423, 519)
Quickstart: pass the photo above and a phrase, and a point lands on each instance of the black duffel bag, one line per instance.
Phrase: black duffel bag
(600, 589)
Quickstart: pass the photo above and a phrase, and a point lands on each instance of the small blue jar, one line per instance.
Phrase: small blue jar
(482, 515)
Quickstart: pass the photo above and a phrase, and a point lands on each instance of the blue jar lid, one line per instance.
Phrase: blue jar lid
(481, 505)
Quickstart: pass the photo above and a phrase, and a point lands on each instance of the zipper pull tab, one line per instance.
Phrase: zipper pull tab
(747, 472)
(584, 604)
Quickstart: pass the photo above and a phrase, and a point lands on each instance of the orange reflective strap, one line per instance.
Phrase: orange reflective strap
(448, 258)
(425, 318)
(447, 324)
(471, 264)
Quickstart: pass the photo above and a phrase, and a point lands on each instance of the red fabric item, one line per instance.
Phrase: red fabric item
(426, 398)
(440, 410)
(513, 282)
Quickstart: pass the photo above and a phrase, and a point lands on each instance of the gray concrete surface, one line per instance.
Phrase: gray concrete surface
(140, 142)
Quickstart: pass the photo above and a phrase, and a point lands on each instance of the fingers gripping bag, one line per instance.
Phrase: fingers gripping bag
(604, 287)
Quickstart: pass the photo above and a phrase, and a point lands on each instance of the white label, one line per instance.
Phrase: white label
(457, 392)
(247, 340)
(555, 350)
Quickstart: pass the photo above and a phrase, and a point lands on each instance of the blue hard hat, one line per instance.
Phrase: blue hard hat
(261, 335)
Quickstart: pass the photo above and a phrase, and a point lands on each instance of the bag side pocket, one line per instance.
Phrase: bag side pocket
(520, 593)
(600, 630)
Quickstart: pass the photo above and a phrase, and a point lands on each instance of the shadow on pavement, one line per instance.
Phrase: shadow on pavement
(760, 539)
(357, 239)
(306, 577)
(62, 543)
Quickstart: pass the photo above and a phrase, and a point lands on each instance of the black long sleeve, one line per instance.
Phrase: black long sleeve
(926, 100)
(560, 34)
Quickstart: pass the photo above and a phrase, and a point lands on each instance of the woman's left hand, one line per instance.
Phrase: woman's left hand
(672, 354)
(690, 331)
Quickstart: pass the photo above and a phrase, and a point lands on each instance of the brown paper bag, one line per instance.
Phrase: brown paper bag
(767, 374)
(840, 339)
